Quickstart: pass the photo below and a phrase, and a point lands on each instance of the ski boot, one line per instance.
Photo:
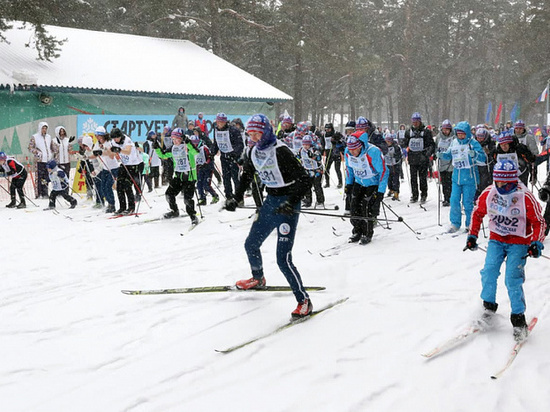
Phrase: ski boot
(520, 327)
(303, 309)
(171, 214)
(251, 283)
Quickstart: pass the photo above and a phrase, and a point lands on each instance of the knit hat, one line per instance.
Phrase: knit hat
(353, 143)
(260, 123)
(194, 139)
(416, 117)
(302, 128)
(505, 137)
(151, 133)
(178, 133)
(287, 119)
(221, 117)
(362, 123)
(447, 124)
(307, 140)
(519, 123)
(350, 125)
(505, 171)
(3, 156)
(51, 164)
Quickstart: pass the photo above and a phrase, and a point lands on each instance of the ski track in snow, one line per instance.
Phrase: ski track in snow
(72, 341)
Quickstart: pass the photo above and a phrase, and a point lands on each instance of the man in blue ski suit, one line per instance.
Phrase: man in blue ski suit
(464, 152)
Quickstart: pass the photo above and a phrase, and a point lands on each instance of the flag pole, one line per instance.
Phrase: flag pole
(547, 103)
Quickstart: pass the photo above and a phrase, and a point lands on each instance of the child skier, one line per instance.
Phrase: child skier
(517, 230)
(312, 161)
(465, 152)
(185, 175)
(203, 160)
(60, 185)
(18, 175)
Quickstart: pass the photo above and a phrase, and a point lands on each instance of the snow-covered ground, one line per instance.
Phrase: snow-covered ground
(71, 341)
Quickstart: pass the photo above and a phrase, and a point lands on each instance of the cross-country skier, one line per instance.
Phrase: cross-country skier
(312, 160)
(517, 230)
(366, 171)
(465, 153)
(18, 174)
(287, 182)
(60, 185)
(183, 153)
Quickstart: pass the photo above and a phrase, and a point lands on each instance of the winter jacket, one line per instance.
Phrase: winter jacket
(367, 169)
(528, 140)
(524, 155)
(465, 155)
(228, 141)
(63, 145)
(394, 155)
(41, 146)
(420, 145)
(442, 143)
(180, 120)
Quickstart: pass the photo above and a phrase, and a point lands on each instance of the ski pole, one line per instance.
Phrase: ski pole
(198, 203)
(400, 219)
(135, 184)
(386, 217)
(439, 192)
(26, 197)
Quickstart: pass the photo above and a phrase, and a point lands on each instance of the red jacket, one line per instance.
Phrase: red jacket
(535, 220)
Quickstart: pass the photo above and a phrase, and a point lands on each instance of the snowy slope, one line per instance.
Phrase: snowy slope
(73, 342)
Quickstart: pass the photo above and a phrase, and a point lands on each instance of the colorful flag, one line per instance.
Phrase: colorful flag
(489, 111)
(543, 96)
(514, 114)
(498, 113)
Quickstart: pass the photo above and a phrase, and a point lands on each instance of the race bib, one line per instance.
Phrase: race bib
(416, 144)
(265, 163)
(461, 160)
(361, 167)
(507, 213)
(223, 141)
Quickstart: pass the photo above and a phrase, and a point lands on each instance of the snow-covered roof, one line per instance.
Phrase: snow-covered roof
(93, 60)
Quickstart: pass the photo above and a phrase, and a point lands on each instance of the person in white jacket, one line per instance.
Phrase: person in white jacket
(43, 150)
(63, 144)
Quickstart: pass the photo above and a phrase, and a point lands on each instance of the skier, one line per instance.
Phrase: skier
(228, 141)
(465, 152)
(183, 153)
(485, 169)
(18, 174)
(335, 144)
(203, 161)
(393, 162)
(517, 230)
(109, 171)
(420, 146)
(287, 182)
(129, 172)
(366, 171)
(149, 147)
(312, 160)
(510, 148)
(445, 167)
(60, 185)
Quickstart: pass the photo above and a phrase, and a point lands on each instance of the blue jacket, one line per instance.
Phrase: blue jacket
(465, 169)
(376, 163)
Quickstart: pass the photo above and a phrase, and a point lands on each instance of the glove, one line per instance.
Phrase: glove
(231, 205)
(286, 208)
(535, 249)
(378, 198)
(156, 144)
(71, 139)
(471, 242)
(544, 194)
(186, 139)
(97, 152)
(115, 149)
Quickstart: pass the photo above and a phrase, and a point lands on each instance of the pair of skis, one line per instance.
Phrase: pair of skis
(207, 289)
(470, 332)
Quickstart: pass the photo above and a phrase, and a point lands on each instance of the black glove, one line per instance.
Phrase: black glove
(535, 249)
(97, 152)
(156, 144)
(286, 208)
(544, 194)
(115, 149)
(471, 242)
(186, 139)
(231, 205)
(136, 144)
(71, 139)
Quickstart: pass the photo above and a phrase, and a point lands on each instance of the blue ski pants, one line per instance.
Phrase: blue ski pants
(265, 222)
(464, 194)
(514, 274)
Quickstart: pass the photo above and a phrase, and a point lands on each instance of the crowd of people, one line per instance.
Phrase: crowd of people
(479, 171)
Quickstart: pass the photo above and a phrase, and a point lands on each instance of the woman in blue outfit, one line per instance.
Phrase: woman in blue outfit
(465, 153)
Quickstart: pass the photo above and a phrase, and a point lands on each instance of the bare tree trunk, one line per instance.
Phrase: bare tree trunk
(215, 21)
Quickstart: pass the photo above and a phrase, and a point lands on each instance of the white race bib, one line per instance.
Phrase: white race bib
(416, 144)
(265, 163)
(361, 167)
(223, 141)
(461, 160)
(507, 213)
